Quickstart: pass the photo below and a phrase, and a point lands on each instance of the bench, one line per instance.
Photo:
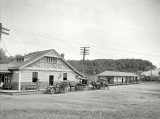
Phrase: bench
(31, 87)
(7, 86)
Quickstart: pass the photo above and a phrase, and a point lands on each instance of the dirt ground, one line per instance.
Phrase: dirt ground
(138, 101)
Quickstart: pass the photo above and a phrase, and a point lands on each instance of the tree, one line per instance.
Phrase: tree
(93, 67)
(3, 56)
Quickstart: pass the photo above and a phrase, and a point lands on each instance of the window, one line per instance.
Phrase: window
(51, 60)
(84, 81)
(34, 76)
(20, 59)
(64, 76)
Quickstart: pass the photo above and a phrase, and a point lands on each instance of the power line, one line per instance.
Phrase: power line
(35, 34)
(5, 48)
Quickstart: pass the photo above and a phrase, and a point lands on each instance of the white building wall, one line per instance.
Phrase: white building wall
(43, 76)
(119, 80)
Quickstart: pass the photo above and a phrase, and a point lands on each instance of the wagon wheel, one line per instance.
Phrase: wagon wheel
(53, 91)
(103, 85)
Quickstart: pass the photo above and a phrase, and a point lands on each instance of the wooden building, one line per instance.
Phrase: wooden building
(46, 66)
(151, 75)
(114, 77)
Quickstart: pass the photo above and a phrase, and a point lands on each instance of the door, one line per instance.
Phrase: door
(51, 80)
(109, 81)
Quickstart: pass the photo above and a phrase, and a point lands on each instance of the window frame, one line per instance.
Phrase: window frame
(34, 79)
(52, 60)
(64, 76)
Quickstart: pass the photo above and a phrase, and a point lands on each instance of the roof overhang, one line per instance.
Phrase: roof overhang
(13, 68)
(5, 72)
(119, 75)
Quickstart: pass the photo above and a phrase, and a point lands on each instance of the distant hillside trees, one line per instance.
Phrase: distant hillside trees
(4, 58)
(126, 65)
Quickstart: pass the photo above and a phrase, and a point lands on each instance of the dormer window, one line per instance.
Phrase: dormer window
(19, 59)
(52, 60)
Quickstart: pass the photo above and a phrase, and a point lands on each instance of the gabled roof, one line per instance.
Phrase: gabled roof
(115, 73)
(32, 57)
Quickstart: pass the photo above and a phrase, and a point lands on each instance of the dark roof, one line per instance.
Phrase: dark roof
(35, 56)
(115, 73)
(4, 68)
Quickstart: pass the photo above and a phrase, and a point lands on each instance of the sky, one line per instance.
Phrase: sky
(113, 29)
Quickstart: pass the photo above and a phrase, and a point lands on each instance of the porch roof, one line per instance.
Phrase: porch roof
(115, 73)
(4, 69)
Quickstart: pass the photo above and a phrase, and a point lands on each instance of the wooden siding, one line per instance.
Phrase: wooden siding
(26, 76)
(15, 80)
(43, 76)
(15, 76)
(118, 80)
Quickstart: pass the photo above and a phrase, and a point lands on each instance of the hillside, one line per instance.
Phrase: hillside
(93, 67)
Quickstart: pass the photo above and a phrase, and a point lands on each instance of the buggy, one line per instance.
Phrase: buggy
(60, 87)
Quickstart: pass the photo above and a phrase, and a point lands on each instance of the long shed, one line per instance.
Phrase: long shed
(114, 77)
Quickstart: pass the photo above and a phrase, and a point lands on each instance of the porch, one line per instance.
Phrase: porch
(17, 92)
(6, 80)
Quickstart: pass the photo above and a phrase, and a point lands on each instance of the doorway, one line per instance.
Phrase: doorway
(109, 81)
(51, 80)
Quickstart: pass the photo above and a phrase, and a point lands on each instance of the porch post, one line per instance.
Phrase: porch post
(19, 82)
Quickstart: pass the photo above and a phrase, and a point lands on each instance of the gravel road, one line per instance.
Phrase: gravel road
(137, 101)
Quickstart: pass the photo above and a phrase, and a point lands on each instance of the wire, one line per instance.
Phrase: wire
(35, 34)
(5, 48)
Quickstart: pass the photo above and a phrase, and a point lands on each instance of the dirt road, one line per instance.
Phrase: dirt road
(138, 101)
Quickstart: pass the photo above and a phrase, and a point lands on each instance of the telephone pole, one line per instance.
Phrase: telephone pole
(3, 31)
(84, 52)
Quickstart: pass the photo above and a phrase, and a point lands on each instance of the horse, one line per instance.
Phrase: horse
(99, 85)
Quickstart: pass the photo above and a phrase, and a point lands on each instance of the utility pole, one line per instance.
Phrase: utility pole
(3, 31)
(84, 52)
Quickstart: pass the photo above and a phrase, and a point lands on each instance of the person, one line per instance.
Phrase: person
(107, 85)
(1, 84)
(51, 83)
(38, 83)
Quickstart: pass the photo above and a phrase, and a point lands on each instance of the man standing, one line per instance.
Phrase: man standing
(38, 83)
(107, 85)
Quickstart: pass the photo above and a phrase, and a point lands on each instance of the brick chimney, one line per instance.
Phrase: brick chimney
(62, 55)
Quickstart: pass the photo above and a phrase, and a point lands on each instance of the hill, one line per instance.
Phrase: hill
(93, 67)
